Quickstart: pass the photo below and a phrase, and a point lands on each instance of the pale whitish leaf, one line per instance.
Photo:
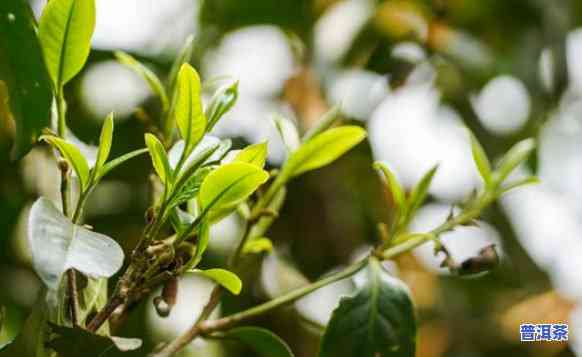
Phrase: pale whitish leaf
(73, 156)
(255, 154)
(378, 321)
(159, 158)
(189, 115)
(104, 142)
(150, 77)
(56, 244)
(480, 159)
(322, 150)
(262, 341)
(223, 277)
(230, 184)
(287, 131)
(65, 31)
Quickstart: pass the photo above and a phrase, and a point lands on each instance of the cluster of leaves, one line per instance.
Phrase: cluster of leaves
(202, 180)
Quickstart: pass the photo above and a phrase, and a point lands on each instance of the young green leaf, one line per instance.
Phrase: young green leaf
(322, 150)
(480, 158)
(378, 321)
(230, 184)
(120, 160)
(258, 245)
(72, 154)
(329, 119)
(183, 57)
(221, 103)
(56, 244)
(255, 154)
(419, 192)
(515, 156)
(223, 277)
(201, 244)
(189, 115)
(262, 341)
(393, 185)
(104, 142)
(159, 158)
(65, 31)
(24, 78)
(531, 180)
(150, 77)
(287, 131)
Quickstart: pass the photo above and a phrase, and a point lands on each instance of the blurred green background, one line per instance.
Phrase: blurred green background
(415, 73)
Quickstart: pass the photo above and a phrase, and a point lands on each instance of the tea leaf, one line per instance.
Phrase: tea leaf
(258, 245)
(255, 154)
(65, 31)
(322, 150)
(221, 103)
(515, 156)
(120, 160)
(287, 131)
(57, 244)
(481, 160)
(223, 277)
(76, 342)
(159, 159)
(230, 184)
(189, 115)
(378, 321)
(393, 185)
(72, 154)
(419, 192)
(329, 119)
(23, 75)
(150, 77)
(262, 341)
(104, 142)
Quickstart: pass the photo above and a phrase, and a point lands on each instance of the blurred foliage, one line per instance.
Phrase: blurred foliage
(331, 213)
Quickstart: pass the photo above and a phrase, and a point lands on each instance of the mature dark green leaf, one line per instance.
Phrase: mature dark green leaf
(225, 278)
(322, 150)
(23, 71)
(65, 31)
(378, 321)
(31, 340)
(56, 244)
(76, 342)
(262, 341)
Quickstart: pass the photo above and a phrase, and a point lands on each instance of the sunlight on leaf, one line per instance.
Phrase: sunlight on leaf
(225, 278)
(255, 154)
(73, 155)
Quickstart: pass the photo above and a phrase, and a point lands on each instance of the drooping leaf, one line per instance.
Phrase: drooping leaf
(56, 244)
(23, 72)
(189, 115)
(120, 160)
(287, 131)
(222, 101)
(258, 245)
(104, 142)
(73, 156)
(225, 278)
(480, 159)
(378, 321)
(230, 184)
(515, 156)
(262, 341)
(150, 77)
(255, 154)
(322, 150)
(159, 158)
(76, 342)
(393, 185)
(329, 119)
(65, 31)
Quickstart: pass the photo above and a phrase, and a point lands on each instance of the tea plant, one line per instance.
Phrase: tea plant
(199, 180)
